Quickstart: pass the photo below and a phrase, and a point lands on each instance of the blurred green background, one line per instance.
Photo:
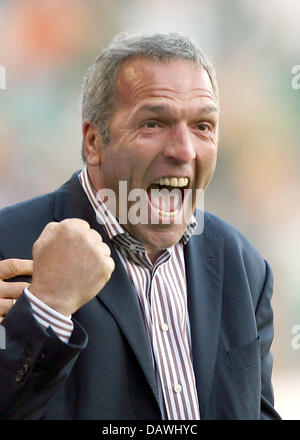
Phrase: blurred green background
(46, 47)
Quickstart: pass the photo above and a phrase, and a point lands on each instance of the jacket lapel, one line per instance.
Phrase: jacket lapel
(118, 294)
(120, 298)
(204, 273)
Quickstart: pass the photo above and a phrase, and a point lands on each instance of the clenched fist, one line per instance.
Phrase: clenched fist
(71, 264)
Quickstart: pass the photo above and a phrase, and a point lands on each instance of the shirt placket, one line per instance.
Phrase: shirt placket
(162, 346)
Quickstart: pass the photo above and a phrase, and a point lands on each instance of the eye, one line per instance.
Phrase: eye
(204, 126)
(150, 124)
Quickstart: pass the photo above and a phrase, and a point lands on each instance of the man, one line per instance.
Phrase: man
(136, 319)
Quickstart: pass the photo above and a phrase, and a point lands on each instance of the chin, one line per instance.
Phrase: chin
(161, 237)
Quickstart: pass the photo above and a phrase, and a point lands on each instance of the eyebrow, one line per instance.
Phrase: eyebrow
(163, 109)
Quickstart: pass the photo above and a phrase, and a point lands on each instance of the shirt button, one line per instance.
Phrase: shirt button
(132, 247)
(165, 327)
(177, 388)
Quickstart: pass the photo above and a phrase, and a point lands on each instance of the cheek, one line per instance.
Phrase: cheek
(207, 154)
(113, 168)
(120, 165)
(205, 163)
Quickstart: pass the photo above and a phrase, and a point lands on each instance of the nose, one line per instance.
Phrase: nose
(180, 146)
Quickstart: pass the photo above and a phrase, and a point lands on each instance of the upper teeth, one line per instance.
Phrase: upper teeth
(173, 181)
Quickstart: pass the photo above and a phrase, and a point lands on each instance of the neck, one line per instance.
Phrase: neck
(153, 254)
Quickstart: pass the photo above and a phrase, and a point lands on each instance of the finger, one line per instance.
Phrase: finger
(105, 249)
(13, 267)
(48, 229)
(76, 223)
(11, 290)
(44, 236)
(95, 235)
(111, 264)
(5, 306)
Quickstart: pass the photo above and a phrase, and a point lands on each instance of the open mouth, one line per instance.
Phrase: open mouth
(166, 196)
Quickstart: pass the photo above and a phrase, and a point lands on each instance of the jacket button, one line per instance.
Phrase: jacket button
(21, 373)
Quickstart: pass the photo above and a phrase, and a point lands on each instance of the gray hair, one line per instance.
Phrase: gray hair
(99, 85)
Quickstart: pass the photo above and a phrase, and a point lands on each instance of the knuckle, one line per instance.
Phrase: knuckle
(50, 227)
(73, 226)
(110, 264)
(82, 223)
(66, 230)
(65, 225)
(5, 306)
(75, 223)
(113, 266)
(35, 247)
(10, 268)
(94, 236)
(13, 265)
(105, 249)
(97, 235)
(107, 276)
(111, 261)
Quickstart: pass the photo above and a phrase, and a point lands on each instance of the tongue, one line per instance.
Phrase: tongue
(165, 199)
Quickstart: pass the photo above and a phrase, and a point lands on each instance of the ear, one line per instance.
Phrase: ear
(92, 141)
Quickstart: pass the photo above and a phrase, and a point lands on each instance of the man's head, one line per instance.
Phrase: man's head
(150, 112)
(99, 87)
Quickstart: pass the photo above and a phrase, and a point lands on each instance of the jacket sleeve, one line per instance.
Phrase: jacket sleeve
(264, 319)
(34, 362)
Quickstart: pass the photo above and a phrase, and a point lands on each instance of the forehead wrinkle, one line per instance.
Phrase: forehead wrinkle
(171, 92)
(164, 108)
(167, 110)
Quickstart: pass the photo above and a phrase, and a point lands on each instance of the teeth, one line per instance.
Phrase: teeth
(166, 213)
(164, 181)
(173, 181)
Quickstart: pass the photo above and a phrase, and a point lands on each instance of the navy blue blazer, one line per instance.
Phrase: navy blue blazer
(105, 372)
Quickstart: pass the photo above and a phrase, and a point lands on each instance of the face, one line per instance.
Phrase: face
(164, 131)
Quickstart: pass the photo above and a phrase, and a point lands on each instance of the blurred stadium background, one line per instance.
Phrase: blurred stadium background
(46, 47)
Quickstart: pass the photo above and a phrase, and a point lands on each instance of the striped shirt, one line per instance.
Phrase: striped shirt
(162, 295)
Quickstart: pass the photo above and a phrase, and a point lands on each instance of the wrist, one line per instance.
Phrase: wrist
(55, 302)
(48, 317)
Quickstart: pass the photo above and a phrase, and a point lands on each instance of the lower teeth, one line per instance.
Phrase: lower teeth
(166, 213)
